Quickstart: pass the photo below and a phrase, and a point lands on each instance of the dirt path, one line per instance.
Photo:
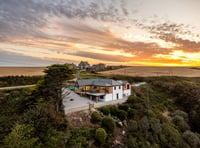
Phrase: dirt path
(166, 115)
(16, 87)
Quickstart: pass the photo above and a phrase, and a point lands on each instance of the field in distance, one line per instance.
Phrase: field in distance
(130, 71)
(26, 71)
(156, 71)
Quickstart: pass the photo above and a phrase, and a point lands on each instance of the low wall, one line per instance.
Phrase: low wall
(94, 105)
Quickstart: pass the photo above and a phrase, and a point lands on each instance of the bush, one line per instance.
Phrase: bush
(159, 106)
(124, 107)
(131, 113)
(143, 124)
(95, 117)
(138, 106)
(109, 124)
(79, 136)
(122, 115)
(105, 110)
(155, 126)
(132, 100)
(113, 110)
(41, 119)
(192, 139)
(131, 142)
(133, 126)
(101, 135)
(182, 114)
(21, 136)
(79, 141)
(181, 123)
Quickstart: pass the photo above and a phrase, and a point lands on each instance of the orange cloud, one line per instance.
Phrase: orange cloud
(184, 58)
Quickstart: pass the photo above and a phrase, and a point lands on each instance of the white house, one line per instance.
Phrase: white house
(103, 89)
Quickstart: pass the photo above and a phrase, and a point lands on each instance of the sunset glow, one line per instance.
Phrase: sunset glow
(125, 32)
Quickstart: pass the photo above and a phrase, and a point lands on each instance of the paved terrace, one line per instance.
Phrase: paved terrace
(73, 102)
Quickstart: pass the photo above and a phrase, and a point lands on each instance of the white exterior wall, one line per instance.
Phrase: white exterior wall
(108, 97)
(117, 91)
(127, 92)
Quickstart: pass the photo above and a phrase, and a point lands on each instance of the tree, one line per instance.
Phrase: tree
(133, 126)
(182, 114)
(21, 136)
(95, 117)
(109, 124)
(181, 123)
(155, 125)
(105, 110)
(113, 110)
(101, 135)
(41, 119)
(143, 124)
(121, 114)
(51, 87)
(192, 139)
(171, 136)
(124, 107)
(131, 142)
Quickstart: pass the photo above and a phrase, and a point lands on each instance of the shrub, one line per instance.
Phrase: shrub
(124, 107)
(133, 126)
(21, 136)
(131, 113)
(105, 110)
(41, 119)
(143, 124)
(94, 72)
(159, 106)
(132, 100)
(182, 114)
(101, 135)
(79, 136)
(155, 126)
(192, 139)
(79, 141)
(113, 110)
(137, 106)
(131, 142)
(181, 123)
(121, 115)
(95, 117)
(108, 123)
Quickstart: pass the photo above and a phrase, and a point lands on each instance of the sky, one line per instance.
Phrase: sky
(114, 32)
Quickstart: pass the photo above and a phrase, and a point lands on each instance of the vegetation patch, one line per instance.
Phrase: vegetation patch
(34, 117)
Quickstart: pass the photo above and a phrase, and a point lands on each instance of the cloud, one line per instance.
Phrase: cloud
(76, 36)
(13, 59)
(103, 57)
(22, 17)
(71, 27)
(178, 34)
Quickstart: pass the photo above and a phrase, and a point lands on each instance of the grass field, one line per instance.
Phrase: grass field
(27, 71)
(155, 71)
(130, 71)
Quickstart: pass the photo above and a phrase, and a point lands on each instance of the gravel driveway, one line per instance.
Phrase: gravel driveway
(73, 102)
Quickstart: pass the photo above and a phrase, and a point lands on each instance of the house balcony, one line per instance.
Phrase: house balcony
(94, 92)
